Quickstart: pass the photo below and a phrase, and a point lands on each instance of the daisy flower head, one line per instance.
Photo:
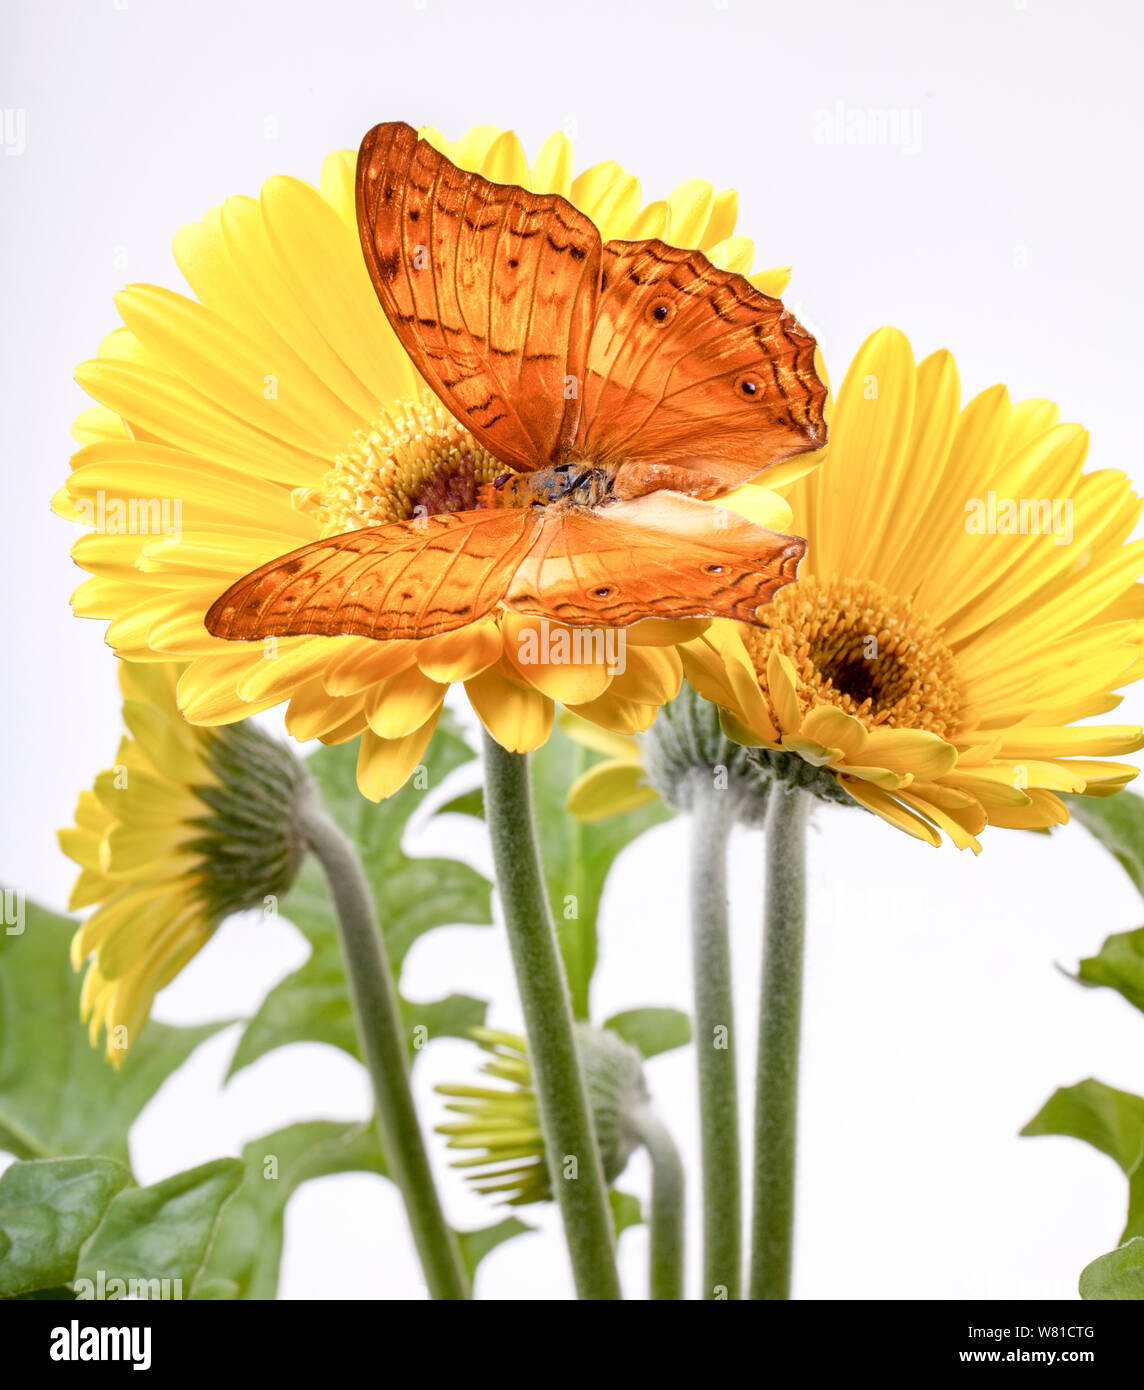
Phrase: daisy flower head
(969, 594)
(497, 1133)
(274, 407)
(186, 827)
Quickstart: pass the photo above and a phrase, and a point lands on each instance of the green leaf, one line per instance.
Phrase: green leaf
(475, 1245)
(247, 1250)
(652, 1030)
(312, 1004)
(413, 896)
(48, 1208)
(1120, 965)
(1118, 1275)
(1134, 1226)
(1110, 1120)
(626, 1211)
(1118, 823)
(470, 803)
(58, 1094)
(216, 1291)
(454, 1016)
(577, 857)
(162, 1232)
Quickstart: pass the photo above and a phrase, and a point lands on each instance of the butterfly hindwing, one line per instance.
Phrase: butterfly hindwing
(691, 364)
(489, 287)
(660, 555)
(406, 579)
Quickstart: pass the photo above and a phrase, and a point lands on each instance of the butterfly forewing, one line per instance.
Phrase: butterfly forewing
(689, 363)
(407, 579)
(490, 288)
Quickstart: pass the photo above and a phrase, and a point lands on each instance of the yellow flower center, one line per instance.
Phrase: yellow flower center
(863, 650)
(413, 460)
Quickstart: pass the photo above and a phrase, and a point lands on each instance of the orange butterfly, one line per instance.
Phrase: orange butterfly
(618, 383)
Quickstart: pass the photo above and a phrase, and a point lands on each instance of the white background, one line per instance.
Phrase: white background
(937, 1022)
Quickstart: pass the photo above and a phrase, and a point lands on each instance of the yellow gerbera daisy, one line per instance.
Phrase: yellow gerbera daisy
(188, 826)
(967, 595)
(277, 406)
(499, 1132)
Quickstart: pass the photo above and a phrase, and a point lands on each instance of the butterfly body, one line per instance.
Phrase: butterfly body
(577, 482)
(621, 384)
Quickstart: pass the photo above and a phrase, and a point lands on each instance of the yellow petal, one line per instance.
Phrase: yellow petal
(1102, 778)
(607, 790)
(455, 656)
(760, 505)
(518, 716)
(834, 727)
(666, 632)
(691, 204)
(782, 684)
(956, 832)
(650, 676)
(570, 665)
(336, 185)
(1113, 739)
(617, 747)
(910, 751)
(721, 222)
(810, 751)
(505, 162)
(314, 713)
(400, 705)
(620, 716)
(772, 282)
(207, 693)
(385, 765)
(899, 816)
(650, 223)
(735, 253)
(552, 167)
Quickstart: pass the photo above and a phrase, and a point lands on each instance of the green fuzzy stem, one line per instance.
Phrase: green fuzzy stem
(665, 1263)
(714, 812)
(780, 1020)
(562, 1098)
(382, 1039)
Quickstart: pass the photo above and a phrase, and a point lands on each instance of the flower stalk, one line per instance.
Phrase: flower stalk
(377, 1014)
(665, 1221)
(780, 1025)
(714, 812)
(562, 1098)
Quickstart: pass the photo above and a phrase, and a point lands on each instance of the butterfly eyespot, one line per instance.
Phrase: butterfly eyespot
(660, 310)
(748, 385)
